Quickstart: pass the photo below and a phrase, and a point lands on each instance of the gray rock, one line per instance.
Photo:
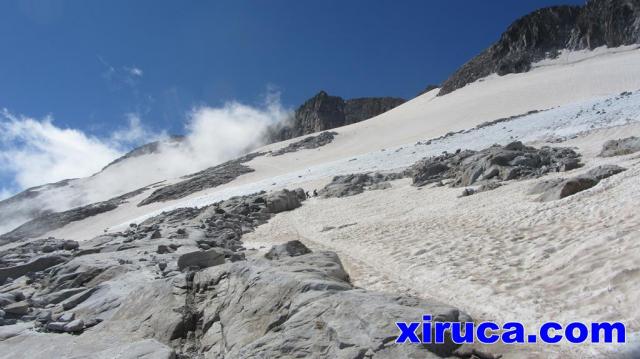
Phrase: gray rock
(201, 259)
(17, 308)
(144, 349)
(605, 171)
(70, 245)
(353, 184)
(492, 164)
(289, 249)
(294, 306)
(309, 142)
(44, 316)
(545, 32)
(623, 146)
(66, 317)
(6, 299)
(37, 265)
(323, 112)
(208, 178)
(76, 299)
(283, 200)
(164, 249)
(74, 326)
(59, 296)
(56, 326)
(560, 189)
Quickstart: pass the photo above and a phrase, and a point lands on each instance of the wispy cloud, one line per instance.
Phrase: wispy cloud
(34, 152)
(119, 77)
(37, 151)
(134, 71)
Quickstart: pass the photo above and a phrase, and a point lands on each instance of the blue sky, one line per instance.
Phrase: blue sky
(91, 65)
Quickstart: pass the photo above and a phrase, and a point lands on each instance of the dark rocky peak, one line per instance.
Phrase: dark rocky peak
(543, 33)
(609, 23)
(324, 112)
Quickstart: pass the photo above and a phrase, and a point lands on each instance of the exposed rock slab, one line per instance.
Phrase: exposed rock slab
(623, 146)
(353, 184)
(307, 143)
(208, 178)
(495, 163)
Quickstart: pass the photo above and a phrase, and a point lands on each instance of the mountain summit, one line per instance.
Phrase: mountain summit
(544, 33)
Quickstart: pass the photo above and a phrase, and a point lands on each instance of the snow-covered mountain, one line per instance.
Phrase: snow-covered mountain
(434, 201)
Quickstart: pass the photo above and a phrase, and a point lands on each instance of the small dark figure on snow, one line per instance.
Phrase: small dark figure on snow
(307, 194)
(315, 193)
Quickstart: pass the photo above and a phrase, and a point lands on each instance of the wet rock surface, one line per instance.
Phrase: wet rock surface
(310, 142)
(208, 178)
(493, 164)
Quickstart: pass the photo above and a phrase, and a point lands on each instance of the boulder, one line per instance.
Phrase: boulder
(76, 299)
(495, 163)
(201, 259)
(605, 171)
(74, 326)
(623, 146)
(44, 316)
(290, 249)
(56, 326)
(353, 184)
(17, 308)
(70, 245)
(283, 200)
(560, 189)
(6, 299)
(37, 265)
(66, 317)
(164, 249)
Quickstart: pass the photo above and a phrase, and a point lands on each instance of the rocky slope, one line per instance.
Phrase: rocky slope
(324, 112)
(210, 297)
(545, 32)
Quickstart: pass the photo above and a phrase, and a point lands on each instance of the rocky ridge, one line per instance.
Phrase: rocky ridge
(545, 32)
(324, 112)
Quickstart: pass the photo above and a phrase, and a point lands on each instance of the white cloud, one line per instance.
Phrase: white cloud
(135, 133)
(134, 71)
(34, 152)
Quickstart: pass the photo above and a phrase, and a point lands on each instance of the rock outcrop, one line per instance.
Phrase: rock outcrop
(202, 295)
(307, 143)
(544, 32)
(353, 184)
(208, 178)
(323, 112)
(623, 146)
(495, 163)
(559, 188)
